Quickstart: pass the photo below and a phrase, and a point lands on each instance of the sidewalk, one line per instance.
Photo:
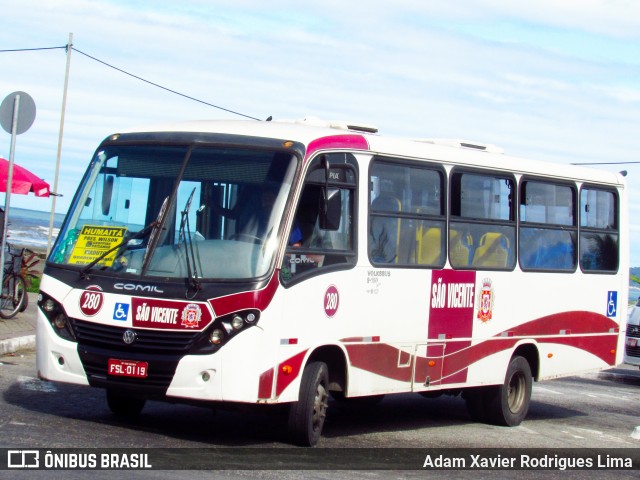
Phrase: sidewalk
(19, 333)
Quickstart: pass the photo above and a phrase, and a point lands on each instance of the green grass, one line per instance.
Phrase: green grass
(35, 285)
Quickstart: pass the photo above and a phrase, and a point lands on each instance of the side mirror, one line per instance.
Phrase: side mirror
(107, 191)
(330, 209)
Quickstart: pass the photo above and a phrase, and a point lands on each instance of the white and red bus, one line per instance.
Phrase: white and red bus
(283, 263)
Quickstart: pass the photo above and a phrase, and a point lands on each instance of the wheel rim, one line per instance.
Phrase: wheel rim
(516, 392)
(320, 405)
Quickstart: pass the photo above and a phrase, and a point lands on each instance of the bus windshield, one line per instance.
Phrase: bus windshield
(177, 211)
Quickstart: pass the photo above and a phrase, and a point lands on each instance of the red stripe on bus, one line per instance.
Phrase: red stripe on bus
(578, 322)
(259, 299)
(284, 379)
(265, 385)
(382, 359)
(378, 358)
(355, 142)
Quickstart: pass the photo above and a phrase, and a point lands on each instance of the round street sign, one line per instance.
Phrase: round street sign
(26, 112)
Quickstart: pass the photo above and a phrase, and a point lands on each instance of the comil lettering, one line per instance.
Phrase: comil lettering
(137, 288)
(452, 295)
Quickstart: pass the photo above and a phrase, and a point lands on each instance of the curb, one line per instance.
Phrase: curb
(12, 345)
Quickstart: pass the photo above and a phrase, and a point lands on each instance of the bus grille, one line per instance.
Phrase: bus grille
(160, 374)
(148, 341)
(633, 331)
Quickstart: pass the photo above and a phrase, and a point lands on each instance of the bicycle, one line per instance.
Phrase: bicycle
(13, 298)
(29, 272)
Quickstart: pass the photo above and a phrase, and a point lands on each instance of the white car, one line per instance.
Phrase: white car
(632, 341)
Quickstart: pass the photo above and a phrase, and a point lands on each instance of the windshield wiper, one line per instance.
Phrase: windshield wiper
(190, 257)
(135, 236)
(156, 227)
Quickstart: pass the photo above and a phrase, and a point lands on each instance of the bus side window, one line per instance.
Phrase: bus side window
(384, 233)
(312, 249)
(406, 214)
(482, 230)
(548, 230)
(598, 230)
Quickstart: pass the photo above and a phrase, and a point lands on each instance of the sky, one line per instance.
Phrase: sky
(554, 80)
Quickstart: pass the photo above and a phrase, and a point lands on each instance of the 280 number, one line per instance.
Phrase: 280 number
(332, 301)
(91, 302)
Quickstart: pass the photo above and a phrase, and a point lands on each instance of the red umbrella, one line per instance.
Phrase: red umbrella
(23, 180)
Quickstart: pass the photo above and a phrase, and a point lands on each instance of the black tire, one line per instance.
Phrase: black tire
(508, 404)
(25, 300)
(124, 405)
(307, 415)
(14, 291)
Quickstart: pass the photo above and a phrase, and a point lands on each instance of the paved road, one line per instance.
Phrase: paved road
(590, 411)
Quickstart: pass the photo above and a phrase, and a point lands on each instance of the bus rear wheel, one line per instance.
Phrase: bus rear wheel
(307, 415)
(124, 405)
(508, 404)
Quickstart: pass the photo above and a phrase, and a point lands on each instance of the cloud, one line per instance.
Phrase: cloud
(620, 93)
(613, 18)
(550, 80)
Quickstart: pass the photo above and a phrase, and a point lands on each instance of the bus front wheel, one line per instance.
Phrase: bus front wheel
(508, 404)
(307, 415)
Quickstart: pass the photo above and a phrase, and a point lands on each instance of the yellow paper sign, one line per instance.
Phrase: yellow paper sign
(95, 240)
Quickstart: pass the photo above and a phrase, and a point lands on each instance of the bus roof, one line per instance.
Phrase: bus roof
(448, 152)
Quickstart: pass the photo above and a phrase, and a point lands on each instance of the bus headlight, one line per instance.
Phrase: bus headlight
(216, 336)
(60, 321)
(223, 330)
(57, 317)
(237, 322)
(48, 305)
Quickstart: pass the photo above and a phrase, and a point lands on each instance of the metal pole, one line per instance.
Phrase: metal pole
(55, 180)
(7, 198)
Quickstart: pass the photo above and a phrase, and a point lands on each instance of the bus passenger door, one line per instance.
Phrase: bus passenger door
(429, 360)
(451, 317)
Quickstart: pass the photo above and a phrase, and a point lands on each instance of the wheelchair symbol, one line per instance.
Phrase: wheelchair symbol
(612, 304)
(121, 311)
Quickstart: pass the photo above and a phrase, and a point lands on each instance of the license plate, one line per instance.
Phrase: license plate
(632, 342)
(127, 368)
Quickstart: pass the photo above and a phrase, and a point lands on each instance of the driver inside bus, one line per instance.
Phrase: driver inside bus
(305, 233)
(251, 211)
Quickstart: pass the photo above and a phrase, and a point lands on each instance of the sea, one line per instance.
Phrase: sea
(30, 228)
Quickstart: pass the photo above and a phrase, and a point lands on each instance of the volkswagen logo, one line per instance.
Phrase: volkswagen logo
(129, 336)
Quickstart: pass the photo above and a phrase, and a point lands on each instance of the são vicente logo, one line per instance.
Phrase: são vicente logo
(485, 301)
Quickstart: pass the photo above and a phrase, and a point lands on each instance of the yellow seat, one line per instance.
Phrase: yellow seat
(428, 246)
(492, 251)
(459, 248)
